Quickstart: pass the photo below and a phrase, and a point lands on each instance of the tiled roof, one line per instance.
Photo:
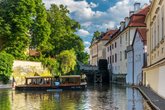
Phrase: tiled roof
(108, 34)
(138, 19)
(34, 53)
(144, 11)
(142, 32)
(113, 36)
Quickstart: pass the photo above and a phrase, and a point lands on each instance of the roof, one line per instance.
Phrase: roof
(104, 36)
(138, 19)
(37, 77)
(34, 53)
(113, 36)
(143, 35)
(144, 11)
(108, 34)
(70, 76)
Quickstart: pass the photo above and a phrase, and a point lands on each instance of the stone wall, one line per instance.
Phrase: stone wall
(22, 69)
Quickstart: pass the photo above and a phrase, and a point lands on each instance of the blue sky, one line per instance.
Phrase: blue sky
(96, 14)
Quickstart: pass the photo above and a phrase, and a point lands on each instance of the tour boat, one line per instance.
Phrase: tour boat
(53, 83)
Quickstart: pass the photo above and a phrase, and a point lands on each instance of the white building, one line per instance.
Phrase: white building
(136, 54)
(154, 73)
(97, 48)
(116, 47)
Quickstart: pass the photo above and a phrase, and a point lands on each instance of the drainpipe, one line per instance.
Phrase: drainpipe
(133, 66)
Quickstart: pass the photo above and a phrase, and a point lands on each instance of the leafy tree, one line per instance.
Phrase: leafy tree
(6, 63)
(83, 57)
(17, 16)
(67, 60)
(52, 64)
(96, 35)
(63, 30)
(40, 28)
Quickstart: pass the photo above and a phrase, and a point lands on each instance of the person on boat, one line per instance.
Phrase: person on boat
(13, 83)
(83, 77)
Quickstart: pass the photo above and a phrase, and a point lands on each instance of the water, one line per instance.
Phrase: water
(96, 97)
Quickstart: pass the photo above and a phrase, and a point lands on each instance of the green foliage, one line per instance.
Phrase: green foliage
(17, 17)
(96, 35)
(63, 30)
(6, 63)
(5, 101)
(67, 59)
(83, 57)
(40, 28)
(52, 64)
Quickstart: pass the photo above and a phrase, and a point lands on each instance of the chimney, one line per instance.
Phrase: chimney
(126, 21)
(122, 25)
(131, 13)
(136, 6)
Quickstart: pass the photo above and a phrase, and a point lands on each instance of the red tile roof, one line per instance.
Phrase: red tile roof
(108, 34)
(138, 19)
(144, 11)
(143, 34)
(34, 53)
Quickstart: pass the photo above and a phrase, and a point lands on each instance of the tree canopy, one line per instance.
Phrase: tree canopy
(26, 24)
(67, 59)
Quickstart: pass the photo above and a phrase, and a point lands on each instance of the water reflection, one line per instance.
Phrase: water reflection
(96, 97)
(4, 100)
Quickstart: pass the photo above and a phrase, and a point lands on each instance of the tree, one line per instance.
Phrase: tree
(17, 15)
(67, 60)
(6, 63)
(96, 35)
(83, 57)
(52, 64)
(63, 30)
(40, 28)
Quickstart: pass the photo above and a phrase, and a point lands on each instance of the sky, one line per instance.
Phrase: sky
(96, 15)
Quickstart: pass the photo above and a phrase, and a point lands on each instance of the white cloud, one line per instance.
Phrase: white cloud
(87, 43)
(93, 5)
(87, 50)
(83, 33)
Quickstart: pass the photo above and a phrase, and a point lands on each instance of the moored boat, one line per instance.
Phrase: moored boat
(51, 83)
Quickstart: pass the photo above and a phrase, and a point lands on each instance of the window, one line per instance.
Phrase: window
(155, 34)
(120, 55)
(162, 50)
(126, 38)
(125, 55)
(115, 57)
(162, 21)
(120, 40)
(110, 60)
(110, 47)
(115, 45)
(107, 49)
(158, 29)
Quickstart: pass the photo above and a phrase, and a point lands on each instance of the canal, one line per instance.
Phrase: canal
(96, 97)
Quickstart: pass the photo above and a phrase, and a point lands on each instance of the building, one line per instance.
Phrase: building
(136, 57)
(117, 45)
(153, 75)
(97, 49)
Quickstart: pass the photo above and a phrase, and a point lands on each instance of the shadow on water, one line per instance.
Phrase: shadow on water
(96, 97)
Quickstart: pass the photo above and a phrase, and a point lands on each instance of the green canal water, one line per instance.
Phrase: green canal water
(96, 97)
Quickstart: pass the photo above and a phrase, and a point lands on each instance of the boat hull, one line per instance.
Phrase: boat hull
(45, 88)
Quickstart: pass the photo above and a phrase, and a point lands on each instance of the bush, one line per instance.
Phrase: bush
(6, 63)
(52, 65)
